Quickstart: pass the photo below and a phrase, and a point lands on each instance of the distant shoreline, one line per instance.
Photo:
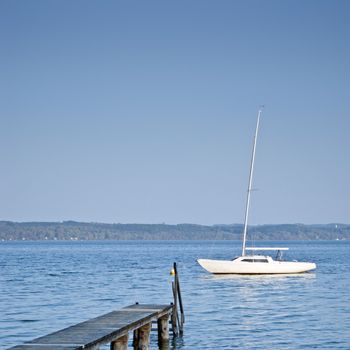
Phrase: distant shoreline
(82, 231)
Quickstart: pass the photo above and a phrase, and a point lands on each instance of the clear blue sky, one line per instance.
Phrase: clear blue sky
(144, 111)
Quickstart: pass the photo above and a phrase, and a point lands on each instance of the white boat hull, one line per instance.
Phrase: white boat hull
(239, 267)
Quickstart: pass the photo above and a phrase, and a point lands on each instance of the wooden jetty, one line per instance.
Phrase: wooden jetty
(114, 328)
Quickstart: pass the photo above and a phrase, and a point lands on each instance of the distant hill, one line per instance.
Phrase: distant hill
(71, 230)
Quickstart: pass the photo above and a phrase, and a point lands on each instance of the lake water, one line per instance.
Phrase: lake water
(45, 286)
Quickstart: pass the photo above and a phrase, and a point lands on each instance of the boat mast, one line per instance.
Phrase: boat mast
(250, 184)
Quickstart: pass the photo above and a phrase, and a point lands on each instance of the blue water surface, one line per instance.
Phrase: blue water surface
(46, 286)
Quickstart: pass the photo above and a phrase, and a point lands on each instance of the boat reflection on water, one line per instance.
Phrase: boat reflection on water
(307, 275)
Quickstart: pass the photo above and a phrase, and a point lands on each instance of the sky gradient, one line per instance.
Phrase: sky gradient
(144, 111)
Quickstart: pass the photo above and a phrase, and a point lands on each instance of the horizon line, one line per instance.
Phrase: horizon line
(164, 223)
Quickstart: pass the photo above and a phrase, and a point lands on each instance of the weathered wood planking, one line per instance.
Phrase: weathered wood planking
(98, 331)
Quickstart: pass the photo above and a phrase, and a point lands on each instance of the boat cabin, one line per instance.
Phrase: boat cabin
(263, 258)
(256, 259)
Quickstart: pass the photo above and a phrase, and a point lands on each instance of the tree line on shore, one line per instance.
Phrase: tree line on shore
(72, 230)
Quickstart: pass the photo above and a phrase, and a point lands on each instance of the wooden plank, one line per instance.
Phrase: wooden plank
(51, 346)
(100, 330)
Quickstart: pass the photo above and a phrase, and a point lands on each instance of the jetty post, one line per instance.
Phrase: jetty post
(163, 330)
(176, 320)
(121, 343)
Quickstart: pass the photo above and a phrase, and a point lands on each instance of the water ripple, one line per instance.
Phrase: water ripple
(45, 286)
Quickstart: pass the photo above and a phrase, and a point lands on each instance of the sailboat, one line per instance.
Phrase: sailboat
(255, 263)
